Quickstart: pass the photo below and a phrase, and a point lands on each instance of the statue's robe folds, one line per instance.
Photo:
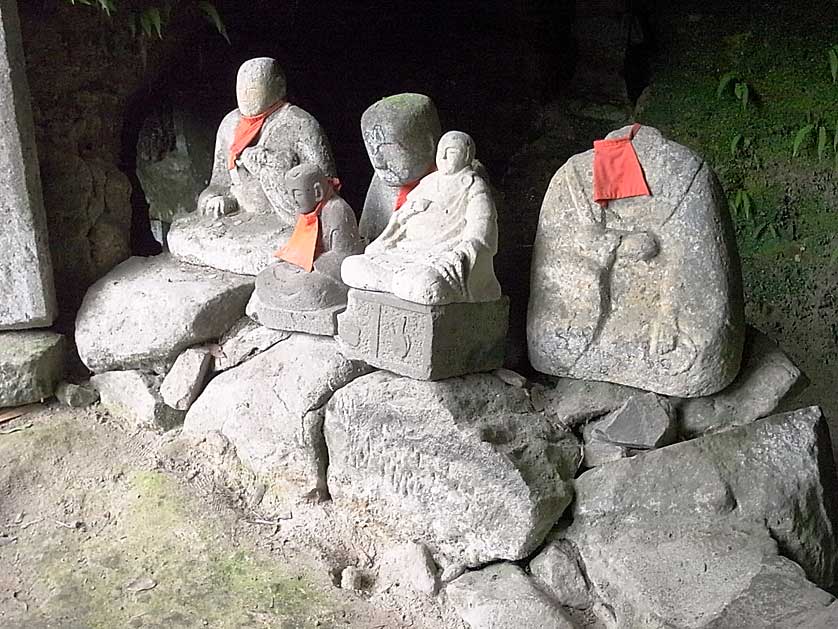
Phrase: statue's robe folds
(672, 322)
(438, 248)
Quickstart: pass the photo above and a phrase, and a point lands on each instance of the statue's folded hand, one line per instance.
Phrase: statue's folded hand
(218, 205)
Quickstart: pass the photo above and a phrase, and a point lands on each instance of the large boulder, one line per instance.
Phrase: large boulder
(463, 464)
(31, 365)
(777, 472)
(645, 292)
(271, 409)
(146, 311)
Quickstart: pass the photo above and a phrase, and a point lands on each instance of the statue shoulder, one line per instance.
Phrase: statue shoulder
(300, 117)
(230, 121)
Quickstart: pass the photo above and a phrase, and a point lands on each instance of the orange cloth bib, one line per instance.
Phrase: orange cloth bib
(301, 248)
(247, 130)
(617, 171)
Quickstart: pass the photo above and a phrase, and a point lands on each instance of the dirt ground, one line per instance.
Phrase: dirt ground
(95, 533)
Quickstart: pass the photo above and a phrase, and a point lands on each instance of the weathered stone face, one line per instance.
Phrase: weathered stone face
(27, 296)
(260, 83)
(464, 464)
(646, 292)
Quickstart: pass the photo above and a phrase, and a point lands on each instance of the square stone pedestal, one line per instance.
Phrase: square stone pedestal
(322, 322)
(423, 342)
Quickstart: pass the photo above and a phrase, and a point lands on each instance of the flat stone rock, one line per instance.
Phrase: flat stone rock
(644, 422)
(186, 378)
(501, 596)
(676, 574)
(271, 409)
(27, 292)
(31, 364)
(243, 341)
(777, 472)
(410, 565)
(134, 397)
(646, 292)
(464, 465)
(573, 402)
(558, 570)
(242, 243)
(76, 395)
(424, 342)
(146, 311)
(766, 377)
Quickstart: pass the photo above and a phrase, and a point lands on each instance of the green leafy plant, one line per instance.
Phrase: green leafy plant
(819, 133)
(832, 56)
(732, 83)
(739, 143)
(742, 203)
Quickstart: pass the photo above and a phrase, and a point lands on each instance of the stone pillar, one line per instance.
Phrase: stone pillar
(27, 293)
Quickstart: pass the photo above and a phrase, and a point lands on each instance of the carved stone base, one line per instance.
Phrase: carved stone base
(423, 342)
(322, 322)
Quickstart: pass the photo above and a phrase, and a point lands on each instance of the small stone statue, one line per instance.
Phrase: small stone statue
(400, 133)
(303, 291)
(645, 290)
(424, 301)
(438, 247)
(246, 206)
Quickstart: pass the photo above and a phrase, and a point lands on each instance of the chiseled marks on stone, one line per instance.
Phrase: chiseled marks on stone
(777, 472)
(31, 364)
(243, 341)
(766, 377)
(27, 293)
(186, 378)
(501, 596)
(424, 342)
(646, 292)
(243, 243)
(270, 408)
(134, 397)
(464, 464)
(146, 311)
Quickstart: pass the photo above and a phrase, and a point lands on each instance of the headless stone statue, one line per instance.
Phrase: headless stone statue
(303, 291)
(424, 301)
(246, 204)
(400, 133)
(642, 291)
(438, 247)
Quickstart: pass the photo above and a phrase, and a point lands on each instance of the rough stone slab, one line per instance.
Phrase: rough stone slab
(503, 597)
(271, 408)
(766, 377)
(242, 243)
(186, 379)
(243, 341)
(464, 465)
(146, 311)
(573, 402)
(409, 565)
(134, 396)
(676, 574)
(646, 292)
(778, 472)
(644, 422)
(27, 292)
(424, 342)
(76, 395)
(321, 322)
(31, 364)
(558, 570)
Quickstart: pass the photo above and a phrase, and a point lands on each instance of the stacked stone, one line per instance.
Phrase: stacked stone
(31, 358)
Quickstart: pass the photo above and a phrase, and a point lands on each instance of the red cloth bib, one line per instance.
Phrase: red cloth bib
(617, 171)
(301, 248)
(247, 130)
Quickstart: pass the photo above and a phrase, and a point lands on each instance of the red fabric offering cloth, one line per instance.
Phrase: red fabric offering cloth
(301, 248)
(617, 171)
(247, 130)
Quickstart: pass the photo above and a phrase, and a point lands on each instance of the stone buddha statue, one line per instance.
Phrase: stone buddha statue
(246, 203)
(400, 134)
(303, 291)
(438, 248)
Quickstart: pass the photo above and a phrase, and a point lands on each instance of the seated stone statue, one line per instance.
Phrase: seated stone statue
(438, 248)
(400, 133)
(246, 204)
(303, 291)
(643, 291)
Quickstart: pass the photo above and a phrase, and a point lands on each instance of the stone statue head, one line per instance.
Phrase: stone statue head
(307, 185)
(454, 152)
(400, 134)
(260, 83)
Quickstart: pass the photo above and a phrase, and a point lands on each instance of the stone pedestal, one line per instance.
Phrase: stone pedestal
(322, 322)
(423, 342)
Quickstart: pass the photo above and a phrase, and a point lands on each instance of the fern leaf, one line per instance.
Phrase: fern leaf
(760, 230)
(833, 63)
(724, 83)
(211, 14)
(821, 142)
(152, 22)
(734, 144)
(742, 93)
(746, 205)
(800, 138)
